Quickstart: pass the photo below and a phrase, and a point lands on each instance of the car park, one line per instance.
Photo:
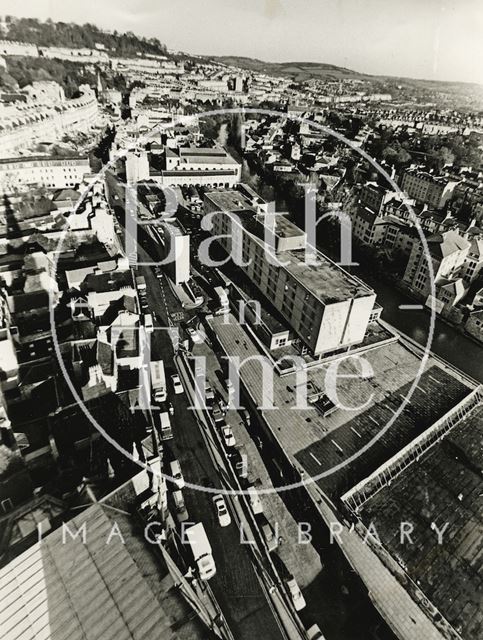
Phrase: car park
(222, 512)
(176, 382)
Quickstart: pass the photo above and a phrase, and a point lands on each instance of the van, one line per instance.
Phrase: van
(180, 507)
(165, 424)
(254, 499)
(175, 473)
(148, 323)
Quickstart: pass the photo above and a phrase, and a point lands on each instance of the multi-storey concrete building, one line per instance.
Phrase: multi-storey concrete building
(327, 307)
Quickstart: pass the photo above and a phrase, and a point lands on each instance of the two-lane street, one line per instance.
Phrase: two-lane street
(236, 585)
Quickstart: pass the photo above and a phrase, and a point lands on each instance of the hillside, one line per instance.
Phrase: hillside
(299, 71)
(62, 34)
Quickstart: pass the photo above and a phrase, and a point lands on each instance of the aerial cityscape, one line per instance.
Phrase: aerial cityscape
(241, 320)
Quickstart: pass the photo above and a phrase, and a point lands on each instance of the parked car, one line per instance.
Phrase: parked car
(175, 473)
(296, 595)
(176, 382)
(194, 335)
(269, 535)
(239, 460)
(209, 393)
(222, 512)
(228, 436)
(181, 512)
(217, 415)
(314, 633)
(255, 502)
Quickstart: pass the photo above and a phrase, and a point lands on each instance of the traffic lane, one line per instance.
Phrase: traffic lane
(235, 585)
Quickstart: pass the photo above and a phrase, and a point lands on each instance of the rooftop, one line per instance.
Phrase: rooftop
(93, 590)
(443, 487)
(193, 172)
(444, 244)
(284, 228)
(229, 200)
(316, 442)
(325, 280)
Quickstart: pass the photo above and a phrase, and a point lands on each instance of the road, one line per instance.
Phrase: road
(236, 585)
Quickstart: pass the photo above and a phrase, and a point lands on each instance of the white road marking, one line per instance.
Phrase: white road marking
(411, 307)
(336, 445)
(316, 459)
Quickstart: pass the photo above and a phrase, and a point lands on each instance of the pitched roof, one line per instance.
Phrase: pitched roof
(444, 244)
(67, 589)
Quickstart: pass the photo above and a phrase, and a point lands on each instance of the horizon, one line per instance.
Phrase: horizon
(333, 32)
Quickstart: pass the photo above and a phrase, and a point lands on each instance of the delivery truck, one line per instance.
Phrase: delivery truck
(201, 549)
(165, 431)
(158, 381)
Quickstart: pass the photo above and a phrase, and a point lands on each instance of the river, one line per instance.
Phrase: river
(448, 343)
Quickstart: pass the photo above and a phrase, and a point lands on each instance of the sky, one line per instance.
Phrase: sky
(430, 39)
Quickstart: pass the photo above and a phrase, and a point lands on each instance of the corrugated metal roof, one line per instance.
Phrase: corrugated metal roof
(71, 590)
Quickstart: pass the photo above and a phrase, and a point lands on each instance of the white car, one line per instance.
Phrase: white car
(175, 473)
(254, 498)
(222, 512)
(314, 633)
(194, 335)
(296, 595)
(176, 382)
(228, 436)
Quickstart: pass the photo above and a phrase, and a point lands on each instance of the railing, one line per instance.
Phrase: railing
(361, 492)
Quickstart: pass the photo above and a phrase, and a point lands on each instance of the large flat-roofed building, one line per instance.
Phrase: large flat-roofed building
(199, 165)
(55, 173)
(440, 491)
(327, 307)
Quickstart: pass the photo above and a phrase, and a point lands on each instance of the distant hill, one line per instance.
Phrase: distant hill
(299, 71)
(303, 71)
